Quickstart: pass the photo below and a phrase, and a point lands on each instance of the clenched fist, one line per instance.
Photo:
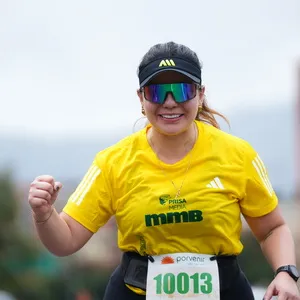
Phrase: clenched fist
(42, 194)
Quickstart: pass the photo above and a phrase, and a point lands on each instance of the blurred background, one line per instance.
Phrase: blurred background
(68, 90)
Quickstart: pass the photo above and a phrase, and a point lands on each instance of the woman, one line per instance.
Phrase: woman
(177, 189)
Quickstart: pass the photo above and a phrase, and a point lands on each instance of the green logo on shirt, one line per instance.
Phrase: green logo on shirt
(190, 216)
(174, 204)
(163, 199)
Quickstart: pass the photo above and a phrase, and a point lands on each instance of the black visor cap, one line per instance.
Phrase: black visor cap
(179, 65)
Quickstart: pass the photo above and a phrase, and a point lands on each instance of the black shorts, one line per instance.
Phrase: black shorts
(233, 284)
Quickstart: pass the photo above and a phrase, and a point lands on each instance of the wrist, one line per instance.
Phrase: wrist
(288, 270)
(42, 219)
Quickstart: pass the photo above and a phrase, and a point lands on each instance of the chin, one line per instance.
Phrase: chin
(171, 130)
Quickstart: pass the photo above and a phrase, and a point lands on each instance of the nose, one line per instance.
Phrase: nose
(170, 101)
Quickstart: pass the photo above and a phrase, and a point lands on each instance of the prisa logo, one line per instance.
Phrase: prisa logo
(163, 199)
(167, 260)
(167, 63)
(174, 204)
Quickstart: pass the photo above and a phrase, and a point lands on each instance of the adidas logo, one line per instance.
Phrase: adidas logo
(167, 62)
(216, 184)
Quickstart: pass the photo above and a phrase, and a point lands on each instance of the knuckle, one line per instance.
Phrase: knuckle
(44, 195)
(31, 193)
(49, 188)
(33, 202)
(44, 178)
(33, 183)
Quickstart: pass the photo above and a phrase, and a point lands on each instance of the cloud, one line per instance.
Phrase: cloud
(69, 65)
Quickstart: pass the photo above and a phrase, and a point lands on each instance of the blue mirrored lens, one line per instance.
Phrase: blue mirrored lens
(181, 92)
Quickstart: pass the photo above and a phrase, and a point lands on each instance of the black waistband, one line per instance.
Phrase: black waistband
(135, 266)
(127, 256)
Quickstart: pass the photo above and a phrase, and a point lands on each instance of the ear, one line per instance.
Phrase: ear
(140, 95)
(201, 95)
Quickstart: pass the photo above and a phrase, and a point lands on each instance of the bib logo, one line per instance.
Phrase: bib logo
(174, 204)
(190, 216)
(167, 260)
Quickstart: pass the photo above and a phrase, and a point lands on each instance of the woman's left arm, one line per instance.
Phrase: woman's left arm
(277, 244)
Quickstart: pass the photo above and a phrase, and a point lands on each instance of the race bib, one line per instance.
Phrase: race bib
(183, 276)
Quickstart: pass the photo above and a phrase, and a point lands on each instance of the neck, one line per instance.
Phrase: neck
(171, 148)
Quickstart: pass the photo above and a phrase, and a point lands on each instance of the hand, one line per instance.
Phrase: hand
(283, 286)
(42, 194)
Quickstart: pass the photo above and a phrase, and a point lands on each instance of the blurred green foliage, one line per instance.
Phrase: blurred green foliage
(253, 262)
(29, 272)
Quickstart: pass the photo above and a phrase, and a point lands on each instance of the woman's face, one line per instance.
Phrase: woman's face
(171, 118)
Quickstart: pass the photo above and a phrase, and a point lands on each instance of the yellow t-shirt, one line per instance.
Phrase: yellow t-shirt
(225, 178)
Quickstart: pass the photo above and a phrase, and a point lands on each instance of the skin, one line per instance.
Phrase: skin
(172, 140)
(62, 235)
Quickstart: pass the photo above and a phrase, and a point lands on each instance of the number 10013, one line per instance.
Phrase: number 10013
(182, 283)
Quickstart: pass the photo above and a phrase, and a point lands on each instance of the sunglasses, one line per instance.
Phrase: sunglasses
(182, 92)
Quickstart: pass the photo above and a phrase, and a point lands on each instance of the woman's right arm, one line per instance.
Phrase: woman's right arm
(60, 233)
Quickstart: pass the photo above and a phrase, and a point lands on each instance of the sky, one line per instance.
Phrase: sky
(70, 66)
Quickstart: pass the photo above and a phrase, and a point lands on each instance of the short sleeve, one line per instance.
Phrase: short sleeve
(91, 202)
(259, 197)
